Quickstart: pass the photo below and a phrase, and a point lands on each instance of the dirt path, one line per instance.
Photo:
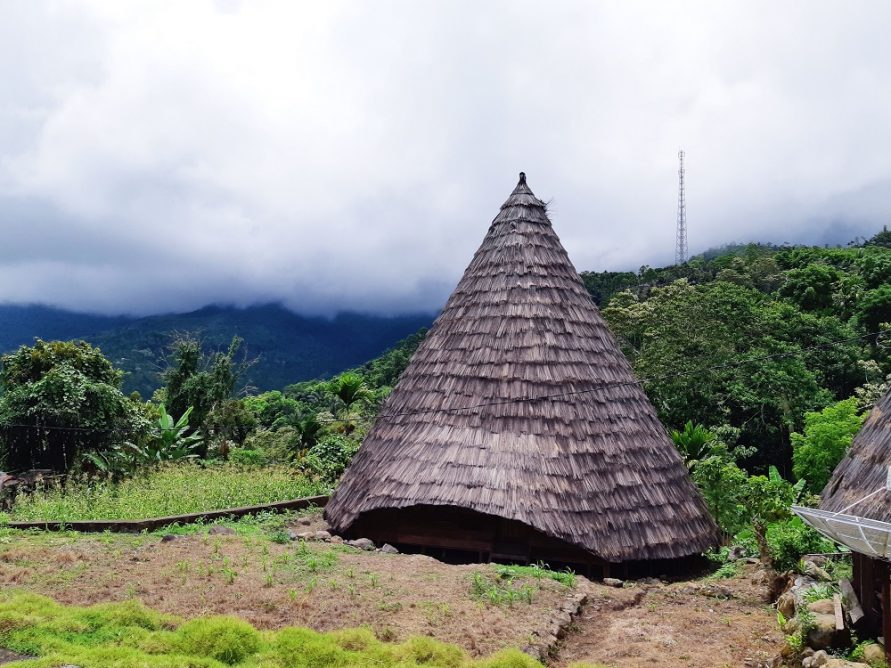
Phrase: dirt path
(707, 624)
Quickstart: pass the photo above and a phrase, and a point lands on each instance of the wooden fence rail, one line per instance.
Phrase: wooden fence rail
(153, 523)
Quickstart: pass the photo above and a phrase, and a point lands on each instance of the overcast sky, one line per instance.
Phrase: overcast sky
(160, 156)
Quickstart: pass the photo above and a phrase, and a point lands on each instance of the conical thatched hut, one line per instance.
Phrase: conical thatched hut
(857, 494)
(518, 431)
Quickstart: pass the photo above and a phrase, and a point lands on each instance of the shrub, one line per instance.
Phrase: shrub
(329, 458)
(791, 539)
(827, 436)
(225, 639)
(248, 457)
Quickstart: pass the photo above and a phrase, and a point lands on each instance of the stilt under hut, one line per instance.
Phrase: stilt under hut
(519, 432)
(855, 510)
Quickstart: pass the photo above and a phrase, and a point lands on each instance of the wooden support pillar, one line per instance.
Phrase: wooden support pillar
(882, 567)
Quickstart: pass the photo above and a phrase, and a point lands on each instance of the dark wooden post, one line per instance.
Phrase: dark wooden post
(886, 606)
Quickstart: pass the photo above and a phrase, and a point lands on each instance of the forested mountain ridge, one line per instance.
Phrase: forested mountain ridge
(286, 347)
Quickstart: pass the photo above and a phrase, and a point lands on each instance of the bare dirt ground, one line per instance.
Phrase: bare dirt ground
(699, 623)
(704, 623)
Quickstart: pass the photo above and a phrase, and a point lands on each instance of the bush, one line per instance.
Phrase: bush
(329, 458)
(248, 457)
(827, 436)
(276, 445)
(790, 540)
(225, 639)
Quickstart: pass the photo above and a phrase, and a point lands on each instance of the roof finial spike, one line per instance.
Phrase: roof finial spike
(522, 178)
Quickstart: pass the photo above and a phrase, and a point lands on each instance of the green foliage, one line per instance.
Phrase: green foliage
(694, 442)
(204, 384)
(173, 489)
(537, 571)
(329, 458)
(726, 571)
(874, 308)
(680, 329)
(827, 436)
(500, 590)
(811, 287)
(166, 441)
(782, 307)
(128, 634)
(820, 592)
(723, 484)
(790, 539)
(72, 393)
(882, 239)
(248, 457)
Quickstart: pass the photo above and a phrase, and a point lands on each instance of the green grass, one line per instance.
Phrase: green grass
(129, 634)
(537, 571)
(171, 490)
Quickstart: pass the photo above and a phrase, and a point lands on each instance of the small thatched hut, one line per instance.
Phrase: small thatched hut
(518, 431)
(857, 495)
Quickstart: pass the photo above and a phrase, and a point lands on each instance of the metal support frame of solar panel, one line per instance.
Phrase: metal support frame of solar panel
(861, 534)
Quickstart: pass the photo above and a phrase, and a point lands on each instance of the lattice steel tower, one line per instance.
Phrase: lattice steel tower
(680, 251)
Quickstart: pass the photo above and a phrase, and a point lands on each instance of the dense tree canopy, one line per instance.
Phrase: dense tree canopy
(62, 398)
(801, 315)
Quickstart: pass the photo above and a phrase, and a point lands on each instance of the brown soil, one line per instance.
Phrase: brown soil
(702, 623)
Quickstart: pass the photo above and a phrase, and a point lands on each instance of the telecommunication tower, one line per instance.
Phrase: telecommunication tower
(680, 253)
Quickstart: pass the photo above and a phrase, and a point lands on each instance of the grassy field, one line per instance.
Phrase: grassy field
(171, 490)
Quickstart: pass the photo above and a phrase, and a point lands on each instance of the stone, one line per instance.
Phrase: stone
(786, 605)
(811, 569)
(823, 635)
(715, 590)
(362, 543)
(305, 522)
(221, 531)
(736, 553)
(337, 540)
(167, 538)
(824, 606)
(389, 549)
(841, 663)
(650, 581)
(819, 658)
(613, 582)
(321, 535)
(873, 653)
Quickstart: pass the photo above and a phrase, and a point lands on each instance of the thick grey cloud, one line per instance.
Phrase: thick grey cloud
(350, 155)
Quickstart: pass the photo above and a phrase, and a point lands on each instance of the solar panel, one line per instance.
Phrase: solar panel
(861, 534)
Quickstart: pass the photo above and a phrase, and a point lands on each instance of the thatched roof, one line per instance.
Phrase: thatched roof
(864, 470)
(596, 469)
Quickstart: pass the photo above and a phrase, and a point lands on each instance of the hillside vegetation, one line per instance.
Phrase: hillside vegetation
(806, 317)
(286, 347)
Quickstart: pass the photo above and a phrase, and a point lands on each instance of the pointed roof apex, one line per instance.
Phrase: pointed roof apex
(522, 195)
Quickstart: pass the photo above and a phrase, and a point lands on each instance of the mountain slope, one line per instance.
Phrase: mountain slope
(288, 347)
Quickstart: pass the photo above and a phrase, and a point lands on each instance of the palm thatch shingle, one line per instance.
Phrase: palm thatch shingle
(591, 467)
(864, 470)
